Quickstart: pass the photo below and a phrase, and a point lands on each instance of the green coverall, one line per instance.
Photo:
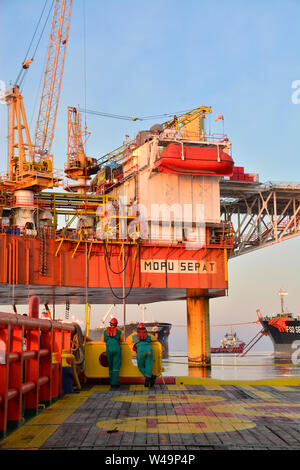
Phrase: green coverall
(114, 356)
(144, 355)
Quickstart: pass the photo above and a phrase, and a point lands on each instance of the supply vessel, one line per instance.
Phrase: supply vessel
(282, 328)
(230, 344)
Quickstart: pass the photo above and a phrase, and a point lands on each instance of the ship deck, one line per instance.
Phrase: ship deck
(183, 413)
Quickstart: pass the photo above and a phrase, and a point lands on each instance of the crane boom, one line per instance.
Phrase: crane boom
(31, 166)
(177, 122)
(78, 163)
(184, 119)
(52, 78)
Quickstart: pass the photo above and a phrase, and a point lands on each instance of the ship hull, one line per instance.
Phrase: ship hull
(236, 350)
(158, 329)
(283, 340)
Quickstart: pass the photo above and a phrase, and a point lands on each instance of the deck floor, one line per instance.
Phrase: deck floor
(181, 416)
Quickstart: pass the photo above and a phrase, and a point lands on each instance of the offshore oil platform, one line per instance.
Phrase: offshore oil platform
(154, 220)
(148, 213)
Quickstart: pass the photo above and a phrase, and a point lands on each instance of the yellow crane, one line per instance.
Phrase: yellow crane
(30, 166)
(178, 122)
(78, 164)
(182, 120)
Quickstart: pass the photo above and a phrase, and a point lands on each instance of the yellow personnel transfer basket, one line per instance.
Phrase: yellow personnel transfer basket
(96, 364)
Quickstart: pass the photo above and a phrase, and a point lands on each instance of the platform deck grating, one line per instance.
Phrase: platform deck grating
(177, 416)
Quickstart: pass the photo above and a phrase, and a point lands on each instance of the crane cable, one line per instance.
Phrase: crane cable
(241, 323)
(229, 324)
(84, 64)
(25, 68)
(128, 118)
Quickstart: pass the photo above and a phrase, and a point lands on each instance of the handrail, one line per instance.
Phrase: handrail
(32, 351)
(33, 323)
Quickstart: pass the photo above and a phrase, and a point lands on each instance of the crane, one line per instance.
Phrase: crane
(78, 164)
(30, 166)
(102, 322)
(179, 122)
(45, 126)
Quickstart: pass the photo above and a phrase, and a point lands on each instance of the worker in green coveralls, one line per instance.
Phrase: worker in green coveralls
(144, 353)
(113, 336)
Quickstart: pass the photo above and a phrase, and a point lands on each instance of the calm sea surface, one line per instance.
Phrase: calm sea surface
(253, 366)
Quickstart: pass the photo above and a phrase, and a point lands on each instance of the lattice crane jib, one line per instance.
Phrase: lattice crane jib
(52, 78)
(19, 146)
(183, 120)
(75, 152)
(177, 122)
(30, 166)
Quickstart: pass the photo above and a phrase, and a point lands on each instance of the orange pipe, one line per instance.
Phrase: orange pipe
(27, 266)
(13, 261)
(34, 303)
(17, 259)
(9, 263)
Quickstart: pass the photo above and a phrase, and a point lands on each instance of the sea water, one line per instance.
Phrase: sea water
(253, 366)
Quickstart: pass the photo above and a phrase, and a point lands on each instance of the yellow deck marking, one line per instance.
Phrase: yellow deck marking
(174, 387)
(28, 437)
(259, 393)
(168, 398)
(99, 388)
(214, 387)
(34, 433)
(49, 416)
(189, 381)
(174, 424)
(258, 409)
(283, 388)
(69, 403)
(294, 381)
(138, 387)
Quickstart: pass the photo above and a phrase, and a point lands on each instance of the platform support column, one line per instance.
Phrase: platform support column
(198, 332)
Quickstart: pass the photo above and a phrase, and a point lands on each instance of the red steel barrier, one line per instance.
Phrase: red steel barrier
(30, 366)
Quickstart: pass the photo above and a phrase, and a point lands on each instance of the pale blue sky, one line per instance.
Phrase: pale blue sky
(146, 58)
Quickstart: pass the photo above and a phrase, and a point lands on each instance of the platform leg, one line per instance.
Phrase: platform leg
(198, 332)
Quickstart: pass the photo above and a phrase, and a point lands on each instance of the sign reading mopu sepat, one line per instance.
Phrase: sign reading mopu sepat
(178, 266)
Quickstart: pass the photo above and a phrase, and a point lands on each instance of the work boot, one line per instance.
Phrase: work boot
(152, 380)
(114, 387)
(147, 381)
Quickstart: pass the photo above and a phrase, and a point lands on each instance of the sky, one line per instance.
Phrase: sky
(139, 58)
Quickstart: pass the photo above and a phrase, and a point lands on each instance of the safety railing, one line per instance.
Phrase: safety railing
(194, 136)
(219, 241)
(31, 351)
(46, 232)
(139, 230)
(29, 170)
